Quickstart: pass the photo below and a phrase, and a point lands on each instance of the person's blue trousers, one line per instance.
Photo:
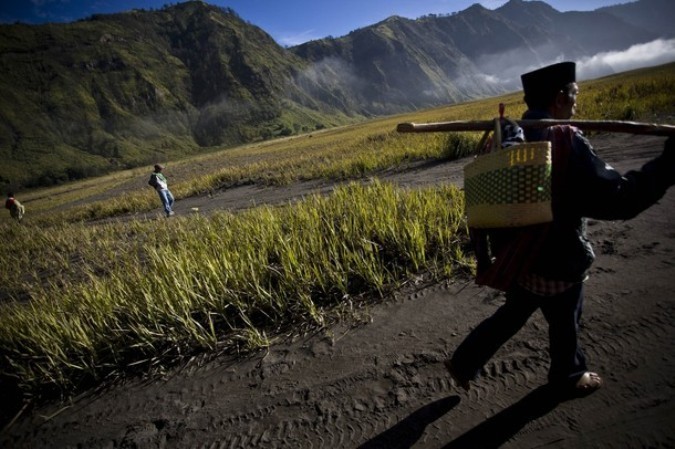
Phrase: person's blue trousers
(563, 313)
(167, 200)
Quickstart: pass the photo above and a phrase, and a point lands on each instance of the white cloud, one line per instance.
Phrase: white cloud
(491, 79)
(499, 69)
(660, 51)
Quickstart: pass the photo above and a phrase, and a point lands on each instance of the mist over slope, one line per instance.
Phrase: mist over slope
(123, 90)
(400, 63)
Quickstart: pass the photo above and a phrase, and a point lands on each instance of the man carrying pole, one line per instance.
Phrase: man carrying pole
(583, 187)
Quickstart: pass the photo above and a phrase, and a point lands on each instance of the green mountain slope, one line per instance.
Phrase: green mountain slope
(127, 89)
(123, 90)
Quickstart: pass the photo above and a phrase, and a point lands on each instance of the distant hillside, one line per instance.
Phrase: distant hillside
(399, 64)
(128, 89)
(653, 15)
(122, 90)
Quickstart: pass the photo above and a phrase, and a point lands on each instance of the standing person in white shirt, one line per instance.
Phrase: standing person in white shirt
(161, 185)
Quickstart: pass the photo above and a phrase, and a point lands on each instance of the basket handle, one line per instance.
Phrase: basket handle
(497, 135)
(496, 131)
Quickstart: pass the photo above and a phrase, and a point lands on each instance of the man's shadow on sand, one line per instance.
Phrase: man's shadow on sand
(406, 433)
(491, 433)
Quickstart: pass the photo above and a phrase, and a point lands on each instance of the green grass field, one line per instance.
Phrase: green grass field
(86, 302)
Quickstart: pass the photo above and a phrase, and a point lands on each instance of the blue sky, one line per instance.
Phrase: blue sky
(290, 22)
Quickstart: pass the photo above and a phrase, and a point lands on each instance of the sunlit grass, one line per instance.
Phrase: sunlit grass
(145, 293)
(642, 95)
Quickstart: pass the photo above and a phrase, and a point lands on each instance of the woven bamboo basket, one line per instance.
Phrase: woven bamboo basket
(509, 187)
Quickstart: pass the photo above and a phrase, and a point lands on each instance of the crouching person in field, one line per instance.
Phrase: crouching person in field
(161, 185)
(16, 209)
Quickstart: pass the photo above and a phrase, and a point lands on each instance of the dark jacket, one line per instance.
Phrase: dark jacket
(590, 188)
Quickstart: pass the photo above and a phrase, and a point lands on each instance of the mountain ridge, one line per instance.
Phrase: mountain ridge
(128, 89)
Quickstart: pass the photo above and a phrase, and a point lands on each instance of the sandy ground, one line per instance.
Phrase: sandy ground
(380, 383)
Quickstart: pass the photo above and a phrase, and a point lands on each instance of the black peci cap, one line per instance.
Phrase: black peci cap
(543, 84)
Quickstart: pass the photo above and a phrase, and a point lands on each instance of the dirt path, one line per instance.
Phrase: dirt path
(381, 383)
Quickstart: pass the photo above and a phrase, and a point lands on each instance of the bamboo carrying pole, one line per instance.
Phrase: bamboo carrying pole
(586, 125)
